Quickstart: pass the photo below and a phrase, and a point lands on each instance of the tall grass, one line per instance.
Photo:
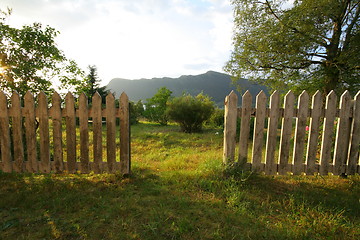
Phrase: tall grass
(178, 190)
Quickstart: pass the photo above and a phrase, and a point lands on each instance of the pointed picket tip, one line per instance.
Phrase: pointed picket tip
(96, 95)
(15, 94)
(28, 94)
(110, 96)
(69, 95)
(346, 95)
(304, 96)
(261, 94)
(247, 94)
(124, 96)
(289, 94)
(83, 96)
(357, 96)
(42, 96)
(331, 94)
(317, 93)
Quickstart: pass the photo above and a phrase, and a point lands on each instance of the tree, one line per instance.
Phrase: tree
(30, 59)
(155, 107)
(306, 44)
(91, 84)
(190, 112)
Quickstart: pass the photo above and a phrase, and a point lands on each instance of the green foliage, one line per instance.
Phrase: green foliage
(155, 107)
(30, 59)
(217, 118)
(302, 44)
(190, 112)
(136, 111)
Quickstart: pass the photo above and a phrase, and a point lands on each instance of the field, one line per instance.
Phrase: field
(178, 190)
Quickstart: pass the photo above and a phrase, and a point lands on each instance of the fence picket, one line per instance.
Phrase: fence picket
(5, 134)
(42, 112)
(286, 130)
(328, 129)
(259, 131)
(353, 158)
(299, 140)
(230, 119)
(245, 128)
(316, 113)
(84, 133)
(30, 133)
(125, 160)
(70, 133)
(57, 133)
(342, 135)
(97, 129)
(15, 111)
(270, 164)
(110, 132)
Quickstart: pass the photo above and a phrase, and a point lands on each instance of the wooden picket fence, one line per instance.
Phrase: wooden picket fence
(320, 140)
(26, 144)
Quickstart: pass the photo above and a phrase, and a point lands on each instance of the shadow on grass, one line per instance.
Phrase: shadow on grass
(150, 205)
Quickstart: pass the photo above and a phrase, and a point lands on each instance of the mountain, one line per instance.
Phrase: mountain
(216, 85)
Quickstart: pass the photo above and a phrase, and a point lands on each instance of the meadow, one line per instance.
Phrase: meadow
(178, 189)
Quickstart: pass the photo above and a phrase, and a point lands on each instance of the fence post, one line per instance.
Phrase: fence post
(354, 138)
(125, 158)
(230, 119)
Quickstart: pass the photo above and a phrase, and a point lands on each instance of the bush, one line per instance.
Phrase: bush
(190, 112)
(155, 108)
(217, 118)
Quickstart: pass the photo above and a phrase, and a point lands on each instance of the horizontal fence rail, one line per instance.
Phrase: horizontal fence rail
(67, 136)
(312, 138)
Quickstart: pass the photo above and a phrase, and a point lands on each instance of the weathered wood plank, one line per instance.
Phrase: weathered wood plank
(57, 133)
(245, 128)
(125, 160)
(286, 130)
(84, 133)
(353, 158)
(42, 113)
(342, 135)
(328, 131)
(30, 132)
(110, 132)
(18, 165)
(258, 131)
(5, 134)
(97, 129)
(270, 164)
(299, 140)
(316, 112)
(230, 119)
(70, 132)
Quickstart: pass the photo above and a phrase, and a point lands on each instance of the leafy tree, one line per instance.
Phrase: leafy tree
(306, 44)
(136, 111)
(30, 59)
(155, 107)
(190, 112)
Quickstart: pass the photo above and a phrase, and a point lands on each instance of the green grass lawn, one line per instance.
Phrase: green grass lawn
(178, 190)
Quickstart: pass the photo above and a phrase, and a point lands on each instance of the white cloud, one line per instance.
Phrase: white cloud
(136, 39)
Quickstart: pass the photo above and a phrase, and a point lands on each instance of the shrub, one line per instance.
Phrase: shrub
(190, 112)
(217, 118)
(155, 108)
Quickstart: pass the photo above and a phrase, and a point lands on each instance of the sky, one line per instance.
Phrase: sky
(135, 39)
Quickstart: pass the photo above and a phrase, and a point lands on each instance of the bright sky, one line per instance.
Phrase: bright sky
(135, 38)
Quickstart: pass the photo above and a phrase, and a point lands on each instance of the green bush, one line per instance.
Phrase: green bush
(217, 118)
(155, 107)
(190, 112)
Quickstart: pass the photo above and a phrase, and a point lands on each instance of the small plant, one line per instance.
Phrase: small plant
(190, 112)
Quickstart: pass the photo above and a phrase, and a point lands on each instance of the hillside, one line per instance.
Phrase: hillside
(216, 85)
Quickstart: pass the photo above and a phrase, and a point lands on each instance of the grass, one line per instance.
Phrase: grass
(178, 190)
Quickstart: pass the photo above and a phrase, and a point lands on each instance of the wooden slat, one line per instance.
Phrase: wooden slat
(110, 132)
(230, 119)
(70, 133)
(258, 131)
(30, 132)
(125, 160)
(84, 133)
(245, 128)
(286, 130)
(328, 129)
(354, 138)
(97, 129)
(5, 135)
(57, 133)
(270, 164)
(342, 135)
(299, 141)
(313, 132)
(42, 113)
(18, 165)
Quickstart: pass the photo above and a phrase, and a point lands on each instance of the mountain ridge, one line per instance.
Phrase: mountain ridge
(214, 84)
